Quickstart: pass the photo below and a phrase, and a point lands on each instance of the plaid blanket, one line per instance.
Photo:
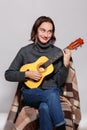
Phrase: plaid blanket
(23, 117)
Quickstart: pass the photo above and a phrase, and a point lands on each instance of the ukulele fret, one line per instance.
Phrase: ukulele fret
(52, 60)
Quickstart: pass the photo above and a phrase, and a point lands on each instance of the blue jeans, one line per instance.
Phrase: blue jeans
(48, 103)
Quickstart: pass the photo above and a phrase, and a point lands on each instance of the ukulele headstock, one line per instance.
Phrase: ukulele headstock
(74, 45)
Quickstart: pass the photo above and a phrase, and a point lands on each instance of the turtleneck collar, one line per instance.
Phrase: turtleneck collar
(43, 47)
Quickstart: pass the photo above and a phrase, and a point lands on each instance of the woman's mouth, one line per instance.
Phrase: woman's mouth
(45, 38)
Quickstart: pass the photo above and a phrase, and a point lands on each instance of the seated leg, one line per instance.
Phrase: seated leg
(45, 119)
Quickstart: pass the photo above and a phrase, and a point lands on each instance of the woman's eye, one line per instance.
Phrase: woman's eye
(50, 31)
(42, 30)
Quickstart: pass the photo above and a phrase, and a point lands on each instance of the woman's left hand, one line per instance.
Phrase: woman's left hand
(67, 55)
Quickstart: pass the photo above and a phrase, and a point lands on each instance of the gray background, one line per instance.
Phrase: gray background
(16, 20)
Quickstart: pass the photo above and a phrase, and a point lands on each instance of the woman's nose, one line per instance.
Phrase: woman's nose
(46, 34)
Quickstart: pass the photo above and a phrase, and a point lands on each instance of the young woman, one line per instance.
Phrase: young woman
(45, 97)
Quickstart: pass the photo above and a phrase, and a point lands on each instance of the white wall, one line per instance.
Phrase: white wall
(16, 19)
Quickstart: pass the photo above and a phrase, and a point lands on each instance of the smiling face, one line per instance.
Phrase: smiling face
(45, 32)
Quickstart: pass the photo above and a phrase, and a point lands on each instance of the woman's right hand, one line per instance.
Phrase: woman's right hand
(35, 75)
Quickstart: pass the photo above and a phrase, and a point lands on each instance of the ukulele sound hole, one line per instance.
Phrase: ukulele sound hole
(41, 69)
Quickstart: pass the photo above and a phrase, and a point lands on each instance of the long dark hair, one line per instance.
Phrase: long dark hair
(37, 23)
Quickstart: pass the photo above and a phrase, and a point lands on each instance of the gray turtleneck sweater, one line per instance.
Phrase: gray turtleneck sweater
(30, 54)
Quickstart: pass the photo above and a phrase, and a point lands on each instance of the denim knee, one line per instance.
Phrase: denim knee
(43, 107)
(53, 96)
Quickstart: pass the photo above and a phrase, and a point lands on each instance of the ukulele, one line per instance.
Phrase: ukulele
(45, 66)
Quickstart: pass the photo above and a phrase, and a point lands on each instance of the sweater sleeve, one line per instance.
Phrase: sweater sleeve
(13, 72)
(61, 73)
